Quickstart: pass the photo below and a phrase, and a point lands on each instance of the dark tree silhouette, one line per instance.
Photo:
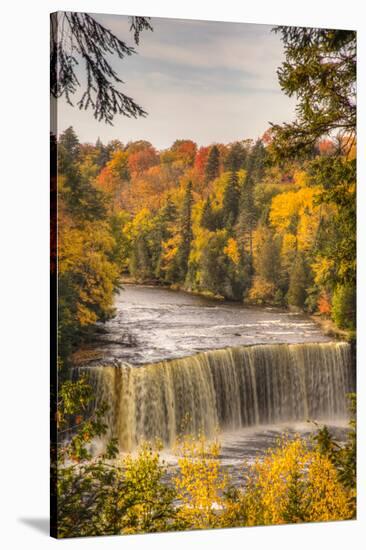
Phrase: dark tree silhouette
(78, 36)
(320, 71)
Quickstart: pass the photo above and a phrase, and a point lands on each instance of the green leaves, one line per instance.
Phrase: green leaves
(342, 456)
(320, 70)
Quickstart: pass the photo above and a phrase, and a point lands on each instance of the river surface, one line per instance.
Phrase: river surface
(153, 324)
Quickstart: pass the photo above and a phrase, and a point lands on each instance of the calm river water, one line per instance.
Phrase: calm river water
(152, 324)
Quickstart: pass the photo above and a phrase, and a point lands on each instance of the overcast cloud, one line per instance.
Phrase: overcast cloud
(200, 80)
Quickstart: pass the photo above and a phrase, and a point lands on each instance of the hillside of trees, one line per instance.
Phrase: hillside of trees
(227, 220)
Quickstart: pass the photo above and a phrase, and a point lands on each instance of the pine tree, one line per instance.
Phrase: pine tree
(296, 294)
(237, 157)
(212, 170)
(102, 153)
(208, 217)
(68, 150)
(140, 263)
(168, 215)
(247, 213)
(295, 509)
(320, 71)
(230, 205)
(165, 228)
(256, 161)
(185, 232)
(79, 37)
(268, 260)
(82, 200)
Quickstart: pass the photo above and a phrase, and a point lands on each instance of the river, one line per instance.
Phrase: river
(153, 324)
(171, 362)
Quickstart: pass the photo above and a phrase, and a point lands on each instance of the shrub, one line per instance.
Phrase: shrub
(294, 484)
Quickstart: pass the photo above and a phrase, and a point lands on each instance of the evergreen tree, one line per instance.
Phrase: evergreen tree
(165, 228)
(82, 200)
(102, 153)
(230, 204)
(320, 70)
(167, 217)
(68, 150)
(185, 232)
(295, 509)
(268, 264)
(213, 265)
(79, 36)
(344, 306)
(140, 263)
(296, 294)
(237, 157)
(208, 218)
(257, 161)
(212, 170)
(247, 213)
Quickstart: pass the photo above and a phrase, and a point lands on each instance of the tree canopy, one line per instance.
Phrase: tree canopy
(320, 71)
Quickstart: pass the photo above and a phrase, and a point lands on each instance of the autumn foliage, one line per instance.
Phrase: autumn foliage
(294, 482)
(223, 220)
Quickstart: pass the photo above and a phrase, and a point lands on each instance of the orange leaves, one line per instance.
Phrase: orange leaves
(201, 160)
(185, 151)
(140, 161)
(324, 304)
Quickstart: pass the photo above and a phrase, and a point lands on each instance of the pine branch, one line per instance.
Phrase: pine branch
(78, 36)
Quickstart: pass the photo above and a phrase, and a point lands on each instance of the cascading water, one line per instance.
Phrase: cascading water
(225, 389)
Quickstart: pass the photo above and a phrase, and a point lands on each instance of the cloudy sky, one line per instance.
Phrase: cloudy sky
(200, 80)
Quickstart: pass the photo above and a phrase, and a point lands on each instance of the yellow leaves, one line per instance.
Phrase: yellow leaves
(329, 500)
(118, 165)
(301, 178)
(284, 207)
(142, 222)
(84, 315)
(219, 188)
(200, 242)
(232, 250)
(287, 208)
(322, 268)
(83, 261)
(262, 291)
(170, 249)
(296, 215)
(293, 483)
(289, 244)
(199, 484)
(267, 492)
(144, 498)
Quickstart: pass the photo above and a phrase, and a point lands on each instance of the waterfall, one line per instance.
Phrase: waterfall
(226, 389)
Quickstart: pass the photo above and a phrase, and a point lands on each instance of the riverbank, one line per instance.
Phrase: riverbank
(329, 328)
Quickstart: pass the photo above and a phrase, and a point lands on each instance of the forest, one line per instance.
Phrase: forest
(224, 220)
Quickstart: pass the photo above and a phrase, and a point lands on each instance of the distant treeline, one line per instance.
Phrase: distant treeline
(227, 220)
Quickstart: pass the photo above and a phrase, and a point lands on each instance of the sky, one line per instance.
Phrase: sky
(212, 82)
